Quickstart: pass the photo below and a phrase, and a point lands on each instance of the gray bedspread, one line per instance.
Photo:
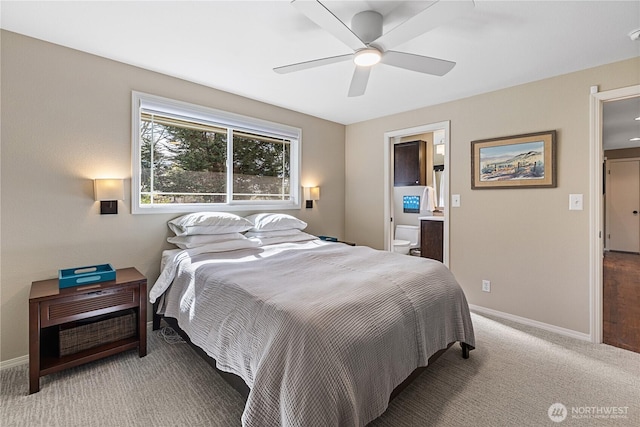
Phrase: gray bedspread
(320, 332)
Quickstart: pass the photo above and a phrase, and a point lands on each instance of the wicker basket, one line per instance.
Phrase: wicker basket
(97, 331)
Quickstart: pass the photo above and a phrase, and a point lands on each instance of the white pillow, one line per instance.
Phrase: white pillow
(275, 233)
(301, 236)
(229, 245)
(275, 222)
(209, 223)
(188, 242)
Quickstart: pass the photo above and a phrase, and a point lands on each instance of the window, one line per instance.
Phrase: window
(190, 158)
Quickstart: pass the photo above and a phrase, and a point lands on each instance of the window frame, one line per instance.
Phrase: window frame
(219, 118)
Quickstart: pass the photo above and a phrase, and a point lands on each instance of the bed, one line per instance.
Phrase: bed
(319, 333)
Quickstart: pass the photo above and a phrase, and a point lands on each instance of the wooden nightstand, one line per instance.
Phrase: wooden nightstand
(51, 309)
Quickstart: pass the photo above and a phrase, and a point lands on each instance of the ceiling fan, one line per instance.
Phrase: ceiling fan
(370, 46)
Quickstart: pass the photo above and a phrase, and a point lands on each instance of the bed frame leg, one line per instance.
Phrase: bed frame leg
(156, 317)
(465, 350)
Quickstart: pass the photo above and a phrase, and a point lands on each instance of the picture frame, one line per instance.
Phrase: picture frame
(519, 161)
(411, 204)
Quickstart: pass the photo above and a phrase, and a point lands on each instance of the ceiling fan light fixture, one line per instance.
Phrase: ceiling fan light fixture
(367, 57)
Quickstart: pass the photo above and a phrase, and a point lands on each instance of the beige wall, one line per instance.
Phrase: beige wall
(526, 241)
(66, 118)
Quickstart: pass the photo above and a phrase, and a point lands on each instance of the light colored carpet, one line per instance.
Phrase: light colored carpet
(512, 378)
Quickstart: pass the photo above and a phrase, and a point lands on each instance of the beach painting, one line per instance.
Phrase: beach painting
(514, 162)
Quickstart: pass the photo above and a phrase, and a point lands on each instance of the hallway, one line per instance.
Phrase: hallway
(621, 300)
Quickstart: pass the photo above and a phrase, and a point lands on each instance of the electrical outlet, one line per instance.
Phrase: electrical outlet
(486, 285)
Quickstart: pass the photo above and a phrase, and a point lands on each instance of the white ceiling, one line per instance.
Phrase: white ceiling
(234, 45)
(619, 124)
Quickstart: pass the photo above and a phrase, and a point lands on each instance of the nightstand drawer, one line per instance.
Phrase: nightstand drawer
(76, 307)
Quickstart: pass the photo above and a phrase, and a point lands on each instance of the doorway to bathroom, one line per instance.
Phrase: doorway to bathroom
(433, 140)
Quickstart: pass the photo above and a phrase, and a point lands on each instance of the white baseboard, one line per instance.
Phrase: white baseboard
(12, 363)
(22, 360)
(529, 322)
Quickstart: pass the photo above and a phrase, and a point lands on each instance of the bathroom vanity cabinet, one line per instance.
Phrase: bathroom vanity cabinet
(431, 239)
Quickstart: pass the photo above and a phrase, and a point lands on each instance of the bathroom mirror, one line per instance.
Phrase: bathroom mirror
(438, 167)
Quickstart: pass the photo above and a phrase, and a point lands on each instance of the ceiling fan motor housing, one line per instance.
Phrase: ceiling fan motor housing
(367, 25)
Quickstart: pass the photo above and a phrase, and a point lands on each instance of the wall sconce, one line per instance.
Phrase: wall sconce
(108, 192)
(311, 194)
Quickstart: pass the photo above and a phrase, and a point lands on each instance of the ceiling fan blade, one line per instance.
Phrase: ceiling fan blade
(312, 64)
(433, 16)
(419, 63)
(359, 81)
(322, 16)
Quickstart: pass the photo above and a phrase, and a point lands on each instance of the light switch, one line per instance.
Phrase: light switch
(455, 200)
(575, 202)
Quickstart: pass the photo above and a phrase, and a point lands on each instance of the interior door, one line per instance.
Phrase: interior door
(623, 201)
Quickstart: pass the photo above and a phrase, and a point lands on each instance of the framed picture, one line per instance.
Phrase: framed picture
(520, 161)
(411, 204)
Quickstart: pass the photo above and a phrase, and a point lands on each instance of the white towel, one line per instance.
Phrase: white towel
(427, 204)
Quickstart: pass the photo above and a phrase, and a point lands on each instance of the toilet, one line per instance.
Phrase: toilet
(406, 238)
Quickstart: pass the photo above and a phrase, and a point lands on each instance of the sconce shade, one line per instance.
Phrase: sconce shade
(312, 193)
(108, 189)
